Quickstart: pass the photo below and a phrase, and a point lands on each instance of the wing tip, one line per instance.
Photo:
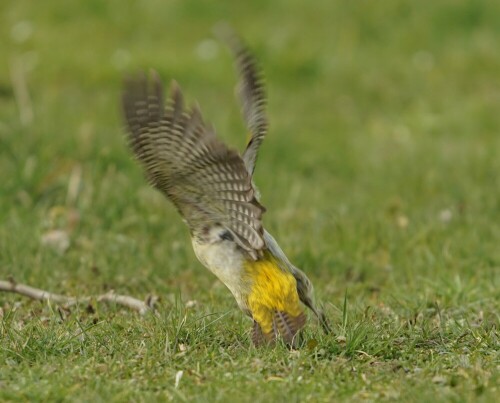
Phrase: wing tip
(224, 32)
(139, 85)
(175, 89)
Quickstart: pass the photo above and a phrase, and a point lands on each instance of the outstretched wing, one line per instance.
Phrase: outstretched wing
(181, 156)
(251, 93)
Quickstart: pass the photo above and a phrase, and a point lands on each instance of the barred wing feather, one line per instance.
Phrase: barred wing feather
(183, 158)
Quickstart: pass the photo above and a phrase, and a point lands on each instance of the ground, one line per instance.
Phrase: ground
(380, 175)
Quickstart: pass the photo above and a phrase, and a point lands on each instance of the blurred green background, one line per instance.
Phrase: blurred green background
(380, 174)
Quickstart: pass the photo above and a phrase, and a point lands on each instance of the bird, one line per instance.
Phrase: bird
(211, 185)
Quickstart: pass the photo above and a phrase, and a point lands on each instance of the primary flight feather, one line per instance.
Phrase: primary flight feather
(211, 186)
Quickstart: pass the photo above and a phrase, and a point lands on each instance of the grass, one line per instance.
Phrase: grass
(380, 176)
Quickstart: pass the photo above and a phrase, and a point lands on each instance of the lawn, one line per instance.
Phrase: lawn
(380, 175)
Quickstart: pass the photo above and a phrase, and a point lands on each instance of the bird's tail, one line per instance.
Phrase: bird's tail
(285, 326)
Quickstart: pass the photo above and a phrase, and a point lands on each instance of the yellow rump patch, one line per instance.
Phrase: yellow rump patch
(272, 290)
